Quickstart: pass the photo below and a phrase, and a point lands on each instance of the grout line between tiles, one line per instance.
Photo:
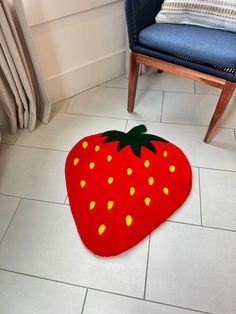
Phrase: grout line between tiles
(15, 196)
(65, 200)
(21, 131)
(169, 220)
(68, 105)
(180, 307)
(168, 91)
(151, 90)
(96, 116)
(66, 151)
(36, 147)
(201, 226)
(54, 109)
(184, 223)
(215, 169)
(100, 290)
(162, 106)
(58, 101)
(218, 228)
(32, 199)
(117, 118)
(8, 134)
(147, 263)
(86, 90)
(182, 124)
(200, 195)
(85, 298)
(152, 121)
(1, 240)
(126, 125)
(190, 124)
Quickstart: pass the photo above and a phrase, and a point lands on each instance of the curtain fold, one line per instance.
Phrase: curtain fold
(22, 93)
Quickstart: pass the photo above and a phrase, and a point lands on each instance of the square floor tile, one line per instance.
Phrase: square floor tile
(118, 82)
(218, 194)
(61, 106)
(32, 173)
(193, 267)
(190, 211)
(112, 102)
(157, 81)
(65, 130)
(206, 89)
(23, 294)
(220, 154)
(7, 137)
(196, 109)
(105, 303)
(43, 241)
(8, 206)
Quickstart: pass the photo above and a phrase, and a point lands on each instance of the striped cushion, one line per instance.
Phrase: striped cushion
(220, 14)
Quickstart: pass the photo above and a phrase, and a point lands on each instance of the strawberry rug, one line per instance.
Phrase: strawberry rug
(122, 186)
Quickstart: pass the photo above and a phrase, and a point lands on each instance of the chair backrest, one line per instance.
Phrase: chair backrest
(145, 12)
(140, 14)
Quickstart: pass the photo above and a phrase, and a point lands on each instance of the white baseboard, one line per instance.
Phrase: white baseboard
(69, 83)
(82, 78)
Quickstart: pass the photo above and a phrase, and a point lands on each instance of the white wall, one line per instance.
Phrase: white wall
(79, 43)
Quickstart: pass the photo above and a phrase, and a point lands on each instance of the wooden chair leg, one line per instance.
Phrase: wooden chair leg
(133, 80)
(223, 101)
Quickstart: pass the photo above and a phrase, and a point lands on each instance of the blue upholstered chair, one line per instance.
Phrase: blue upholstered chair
(203, 54)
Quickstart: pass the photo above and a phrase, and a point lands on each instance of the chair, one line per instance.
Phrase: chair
(203, 54)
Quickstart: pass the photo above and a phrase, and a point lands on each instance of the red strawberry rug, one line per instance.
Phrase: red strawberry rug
(122, 186)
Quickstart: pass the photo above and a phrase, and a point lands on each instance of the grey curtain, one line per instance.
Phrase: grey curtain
(22, 92)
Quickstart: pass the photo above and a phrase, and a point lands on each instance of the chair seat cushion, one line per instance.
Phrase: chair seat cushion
(204, 45)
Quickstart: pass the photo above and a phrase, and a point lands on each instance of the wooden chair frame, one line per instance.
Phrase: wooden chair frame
(226, 86)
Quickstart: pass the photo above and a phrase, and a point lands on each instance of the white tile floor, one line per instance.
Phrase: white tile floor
(186, 266)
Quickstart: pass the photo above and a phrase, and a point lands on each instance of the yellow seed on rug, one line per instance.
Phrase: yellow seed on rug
(129, 220)
(147, 201)
(166, 191)
(82, 183)
(129, 171)
(109, 158)
(165, 153)
(172, 168)
(92, 205)
(97, 148)
(146, 163)
(132, 191)
(91, 165)
(101, 229)
(110, 204)
(151, 181)
(76, 161)
(85, 144)
(110, 180)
